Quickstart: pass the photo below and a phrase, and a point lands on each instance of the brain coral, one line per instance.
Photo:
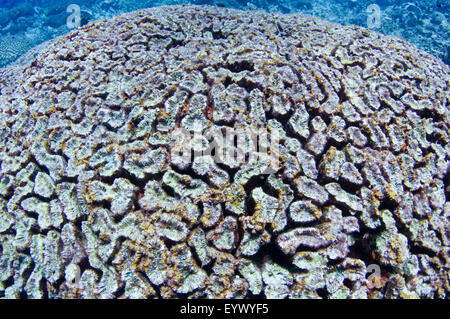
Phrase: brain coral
(93, 204)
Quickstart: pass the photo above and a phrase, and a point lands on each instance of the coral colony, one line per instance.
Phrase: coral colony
(426, 24)
(205, 152)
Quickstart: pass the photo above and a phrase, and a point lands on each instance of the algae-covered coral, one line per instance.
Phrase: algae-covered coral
(94, 205)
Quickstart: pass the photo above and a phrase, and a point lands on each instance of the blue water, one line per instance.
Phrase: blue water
(27, 23)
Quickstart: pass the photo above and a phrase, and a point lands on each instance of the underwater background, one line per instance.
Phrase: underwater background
(25, 24)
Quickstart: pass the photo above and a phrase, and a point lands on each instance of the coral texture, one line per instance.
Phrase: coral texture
(93, 205)
(422, 23)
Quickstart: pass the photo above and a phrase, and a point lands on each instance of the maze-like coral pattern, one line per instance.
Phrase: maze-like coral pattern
(93, 205)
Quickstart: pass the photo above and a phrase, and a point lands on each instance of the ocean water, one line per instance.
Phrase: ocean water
(425, 23)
